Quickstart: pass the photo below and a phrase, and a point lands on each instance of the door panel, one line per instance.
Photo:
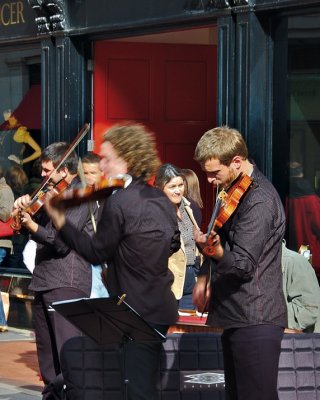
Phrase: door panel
(169, 88)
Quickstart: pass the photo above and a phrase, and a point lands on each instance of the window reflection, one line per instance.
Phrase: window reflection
(302, 201)
(20, 133)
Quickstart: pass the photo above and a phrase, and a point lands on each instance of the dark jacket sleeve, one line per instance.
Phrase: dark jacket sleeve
(49, 236)
(100, 247)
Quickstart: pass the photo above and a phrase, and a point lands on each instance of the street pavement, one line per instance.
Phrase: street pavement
(19, 371)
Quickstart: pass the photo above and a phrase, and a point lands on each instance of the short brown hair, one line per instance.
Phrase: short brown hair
(137, 147)
(91, 158)
(55, 153)
(221, 143)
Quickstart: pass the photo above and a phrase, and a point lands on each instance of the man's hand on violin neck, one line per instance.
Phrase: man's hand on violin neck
(22, 202)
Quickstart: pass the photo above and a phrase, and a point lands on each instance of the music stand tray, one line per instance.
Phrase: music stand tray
(107, 320)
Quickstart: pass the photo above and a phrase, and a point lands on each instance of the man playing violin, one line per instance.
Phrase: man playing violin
(246, 297)
(93, 175)
(60, 273)
(135, 237)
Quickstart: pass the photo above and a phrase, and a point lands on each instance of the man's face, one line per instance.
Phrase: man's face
(92, 173)
(219, 174)
(46, 168)
(174, 189)
(111, 164)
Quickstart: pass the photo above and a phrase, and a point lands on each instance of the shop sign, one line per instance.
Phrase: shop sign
(17, 20)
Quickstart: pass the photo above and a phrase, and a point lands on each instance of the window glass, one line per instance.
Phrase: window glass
(20, 131)
(302, 201)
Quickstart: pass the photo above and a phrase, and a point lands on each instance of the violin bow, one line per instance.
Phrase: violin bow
(85, 129)
(220, 197)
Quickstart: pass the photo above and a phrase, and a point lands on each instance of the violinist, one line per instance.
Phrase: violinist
(246, 297)
(60, 273)
(136, 234)
(91, 168)
(93, 176)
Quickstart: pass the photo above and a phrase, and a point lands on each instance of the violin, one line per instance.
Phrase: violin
(220, 198)
(232, 199)
(40, 196)
(78, 195)
(226, 204)
(37, 202)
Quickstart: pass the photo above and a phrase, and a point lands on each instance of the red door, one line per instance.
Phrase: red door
(168, 87)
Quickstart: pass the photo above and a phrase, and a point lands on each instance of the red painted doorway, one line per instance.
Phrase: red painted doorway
(170, 88)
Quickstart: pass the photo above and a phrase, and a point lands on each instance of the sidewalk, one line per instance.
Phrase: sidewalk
(19, 373)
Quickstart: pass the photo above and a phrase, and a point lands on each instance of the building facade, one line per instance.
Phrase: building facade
(180, 67)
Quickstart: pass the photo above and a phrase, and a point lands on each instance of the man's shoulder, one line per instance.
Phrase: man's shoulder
(263, 188)
(139, 189)
(292, 259)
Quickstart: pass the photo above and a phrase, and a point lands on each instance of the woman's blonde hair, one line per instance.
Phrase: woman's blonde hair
(137, 147)
(192, 186)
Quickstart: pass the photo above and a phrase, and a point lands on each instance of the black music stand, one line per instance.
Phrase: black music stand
(108, 321)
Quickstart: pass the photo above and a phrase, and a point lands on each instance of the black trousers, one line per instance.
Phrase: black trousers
(141, 368)
(52, 330)
(190, 280)
(251, 359)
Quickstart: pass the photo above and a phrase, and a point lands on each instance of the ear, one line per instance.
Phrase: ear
(236, 162)
(64, 172)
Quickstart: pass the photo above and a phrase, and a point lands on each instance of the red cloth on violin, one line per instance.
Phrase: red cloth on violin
(303, 222)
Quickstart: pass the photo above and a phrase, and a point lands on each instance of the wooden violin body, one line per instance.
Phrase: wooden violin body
(37, 202)
(232, 199)
(227, 202)
(78, 195)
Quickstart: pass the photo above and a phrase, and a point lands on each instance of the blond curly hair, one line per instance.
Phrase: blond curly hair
(137, 147)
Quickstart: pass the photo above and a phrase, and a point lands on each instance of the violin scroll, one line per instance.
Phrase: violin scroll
(219, 201)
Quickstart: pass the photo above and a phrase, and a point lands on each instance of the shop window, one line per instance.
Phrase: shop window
(302, 201)
(20, 132)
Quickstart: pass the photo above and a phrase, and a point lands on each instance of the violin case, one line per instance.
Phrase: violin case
(191, 368)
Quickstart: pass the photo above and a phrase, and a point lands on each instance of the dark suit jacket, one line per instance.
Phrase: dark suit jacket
(247, 281)
(56, 264)
(134, 236)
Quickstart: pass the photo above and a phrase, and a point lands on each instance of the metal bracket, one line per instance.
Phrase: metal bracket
(50, 14)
